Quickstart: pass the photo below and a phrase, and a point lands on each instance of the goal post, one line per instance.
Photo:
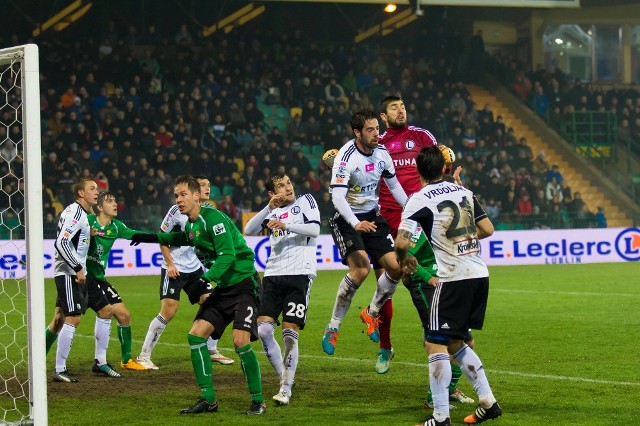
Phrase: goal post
(23, 384)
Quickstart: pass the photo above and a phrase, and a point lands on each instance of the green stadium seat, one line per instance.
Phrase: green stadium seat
(317, 150)
(314, 162)
(215, 193)
(227, 190)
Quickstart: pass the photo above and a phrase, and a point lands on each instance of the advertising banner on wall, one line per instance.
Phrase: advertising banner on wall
(503, 248)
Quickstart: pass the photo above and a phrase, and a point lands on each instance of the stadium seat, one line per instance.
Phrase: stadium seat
(215, 194)
(317, 151)
(314, 162)
(295, 111)
(240, 164)
(227, 190)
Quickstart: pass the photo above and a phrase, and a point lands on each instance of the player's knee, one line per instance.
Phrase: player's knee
(105, 312)
(123, 316)
(240, 341)
(265, 330)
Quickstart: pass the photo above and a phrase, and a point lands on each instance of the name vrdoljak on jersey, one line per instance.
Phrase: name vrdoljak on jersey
(440, 191)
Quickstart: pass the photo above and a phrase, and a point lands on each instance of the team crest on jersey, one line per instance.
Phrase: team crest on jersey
(295, 210)
(369, 168)
(410, 144)
(284, 215)
(219, 229)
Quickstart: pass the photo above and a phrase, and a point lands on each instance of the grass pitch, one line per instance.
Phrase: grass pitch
(560, 346)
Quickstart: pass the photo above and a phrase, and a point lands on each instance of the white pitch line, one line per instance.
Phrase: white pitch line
(421, 365)
(568, 293)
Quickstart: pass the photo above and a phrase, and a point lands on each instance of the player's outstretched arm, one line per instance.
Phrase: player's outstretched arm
(485, 228)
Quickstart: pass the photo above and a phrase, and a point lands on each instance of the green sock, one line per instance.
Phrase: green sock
(202, 366)
(251, 369)
(124, 335)
(456, 373)
(50, 338)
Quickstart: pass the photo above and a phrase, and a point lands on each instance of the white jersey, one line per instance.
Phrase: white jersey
(184, 258)
(360, 173)
(448, 214)
(292, 253)
(72, 242)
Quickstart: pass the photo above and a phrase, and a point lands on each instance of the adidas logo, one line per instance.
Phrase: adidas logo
(445, 326)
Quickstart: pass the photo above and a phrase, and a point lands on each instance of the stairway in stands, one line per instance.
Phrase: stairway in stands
(616, 217)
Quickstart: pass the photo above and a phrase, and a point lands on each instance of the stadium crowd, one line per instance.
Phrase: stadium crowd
(136, 111)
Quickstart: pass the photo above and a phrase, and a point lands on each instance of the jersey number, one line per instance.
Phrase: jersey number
(249, 317)
(453, 230)
(114, 294)
(295, 310)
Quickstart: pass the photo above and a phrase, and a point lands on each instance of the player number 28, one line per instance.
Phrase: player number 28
(295, 310)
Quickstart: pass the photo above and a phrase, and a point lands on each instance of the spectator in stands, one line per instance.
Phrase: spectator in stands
(601, 220)
(554, 173)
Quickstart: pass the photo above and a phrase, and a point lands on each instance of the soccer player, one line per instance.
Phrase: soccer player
(72, 246)
(181, 269)
(358, 230)
(105, 229)
(293, 225)
(403, 142)
(235, 299)
(454, 221)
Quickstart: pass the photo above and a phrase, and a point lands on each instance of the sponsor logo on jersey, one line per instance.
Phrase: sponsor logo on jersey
(365, 188)
(410, 144)
(165, 226)
(468, 247)
(369, 168)
(219, 229)
(66, 235)
(191, 235)
(284, 215)
(394, 145)
(340, 180)
(381, 165)
(404, 162)
(295, 210)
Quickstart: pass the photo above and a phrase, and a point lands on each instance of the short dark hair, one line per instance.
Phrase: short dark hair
(191, 182)
(198, 177)
(430, 163)
(79, 184)
(270, 182)
(384, 103)
(359, 117)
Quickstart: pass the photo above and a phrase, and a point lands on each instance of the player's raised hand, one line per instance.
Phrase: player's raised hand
(365, 226)
(456, 175)
(277, 201)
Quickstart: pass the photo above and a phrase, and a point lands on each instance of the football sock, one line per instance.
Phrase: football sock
(384, 290)
(124, 335)
(212, 344)
(346, 290)
(270, 346)
(202, 366)
(290, 339)
(386, 315)
(102, 332)
(157, 326)
(474, 371)
(439, 378)
(251, 369)
(456, 373)
(50, 338)
(65, 339)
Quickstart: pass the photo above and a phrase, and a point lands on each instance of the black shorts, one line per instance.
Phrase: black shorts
(237, 303)
(73, 298)
(458, 306)
(348, 240)
(170, 287)
(97, 297)
(421, 294)
(110, 292)
(287, 294)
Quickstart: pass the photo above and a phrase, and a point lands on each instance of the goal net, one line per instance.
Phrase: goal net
(23, 386)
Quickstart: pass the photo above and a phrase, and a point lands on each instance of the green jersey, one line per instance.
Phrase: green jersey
(420, 248)
(225, 252)
(101, 243)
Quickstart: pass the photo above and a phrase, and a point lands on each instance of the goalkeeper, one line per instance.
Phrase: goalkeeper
(235, 299)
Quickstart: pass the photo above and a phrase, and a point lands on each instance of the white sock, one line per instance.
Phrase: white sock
(65, 340)
(212, 345)
(384, 290)
(157, 326)
(474, 371)
(270, 346)
(102, 331)
(346, 290)
(439, 379)
(290, 339)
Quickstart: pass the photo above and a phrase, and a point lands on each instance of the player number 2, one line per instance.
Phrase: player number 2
(249, 317)
(295, 310)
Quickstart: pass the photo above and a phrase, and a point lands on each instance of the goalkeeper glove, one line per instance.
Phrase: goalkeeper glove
(140, 237)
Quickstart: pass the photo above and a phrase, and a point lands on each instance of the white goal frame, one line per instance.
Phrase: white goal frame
(27, 55)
